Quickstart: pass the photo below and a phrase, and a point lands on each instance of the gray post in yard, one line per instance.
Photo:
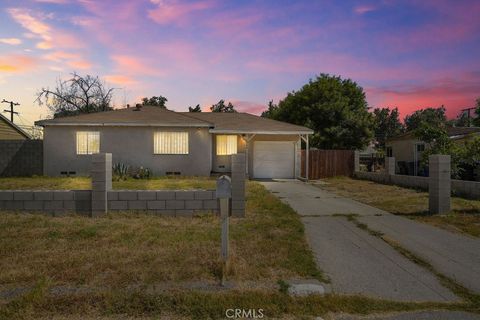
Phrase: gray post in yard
(101, 182)
(223, 194)
(389, 165)
(439, 184)
(356, 161)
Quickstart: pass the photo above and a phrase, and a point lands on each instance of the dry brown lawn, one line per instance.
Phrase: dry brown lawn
(464, 217)
(129, 249)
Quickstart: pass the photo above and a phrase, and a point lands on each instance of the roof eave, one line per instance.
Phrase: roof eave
(14, 126)
(285, 132)
(113, 124)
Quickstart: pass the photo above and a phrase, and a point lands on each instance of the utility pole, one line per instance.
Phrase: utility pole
(12, 104)
(468, 114)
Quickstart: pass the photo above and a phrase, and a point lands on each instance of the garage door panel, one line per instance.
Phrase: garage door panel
(273, 159)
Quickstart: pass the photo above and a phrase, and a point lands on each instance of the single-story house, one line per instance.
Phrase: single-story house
(10, 131)
(407, 149)
(167, 142)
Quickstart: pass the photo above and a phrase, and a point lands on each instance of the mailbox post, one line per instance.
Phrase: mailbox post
(224, 194)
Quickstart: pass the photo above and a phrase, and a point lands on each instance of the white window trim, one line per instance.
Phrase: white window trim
(88, 135)
(181, 150)
(224, 150)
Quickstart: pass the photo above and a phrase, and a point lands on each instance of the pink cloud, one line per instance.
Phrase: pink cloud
(16, 63)
(454, 94)
(11, 41)
(362, 9)
(49, 37)
(119, 79)
(134, 65)
(249, 106)
(458, 23)
(176, 12)
(53, 1)
(31, 23)
(73, 60)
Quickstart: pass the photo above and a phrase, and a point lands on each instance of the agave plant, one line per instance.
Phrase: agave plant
(120, 171)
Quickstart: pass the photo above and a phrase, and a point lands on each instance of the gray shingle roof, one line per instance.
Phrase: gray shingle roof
(245, 123)
(155, 116)
(146, 116)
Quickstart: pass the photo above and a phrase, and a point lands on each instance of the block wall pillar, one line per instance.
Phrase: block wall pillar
(439, 185)
(238, 185)
(356, 161)
(101, 182)
(389, 165)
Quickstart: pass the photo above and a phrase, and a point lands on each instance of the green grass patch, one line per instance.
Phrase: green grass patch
(84, 183)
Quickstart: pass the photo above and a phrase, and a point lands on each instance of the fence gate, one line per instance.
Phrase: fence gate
(328, 163)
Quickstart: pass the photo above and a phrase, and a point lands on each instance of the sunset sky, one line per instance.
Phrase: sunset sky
(410, 54)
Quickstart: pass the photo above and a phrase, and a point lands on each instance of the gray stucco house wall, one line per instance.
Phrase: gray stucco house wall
(128, 134)
(132, 145)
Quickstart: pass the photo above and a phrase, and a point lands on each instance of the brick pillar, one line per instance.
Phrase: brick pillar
(389, 165)
(439, 184)
(238, 185)
(101, 182)
(356, 161)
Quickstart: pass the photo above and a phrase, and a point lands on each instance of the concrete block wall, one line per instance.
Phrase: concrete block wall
(102, 198)
(56, 202)
(184, 203)
(468, 189)
(21, 158)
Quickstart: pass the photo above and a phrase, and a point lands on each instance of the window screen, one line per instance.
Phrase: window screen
(170, 143)
(88, 142)
(226, 145)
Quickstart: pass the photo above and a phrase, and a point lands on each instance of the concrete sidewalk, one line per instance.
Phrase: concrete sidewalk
(355, 261)
(454, 255)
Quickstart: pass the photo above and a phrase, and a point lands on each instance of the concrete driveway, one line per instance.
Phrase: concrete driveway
(355, 261)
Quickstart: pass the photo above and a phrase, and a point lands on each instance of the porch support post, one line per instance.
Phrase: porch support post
(306, 159)
(247, 139)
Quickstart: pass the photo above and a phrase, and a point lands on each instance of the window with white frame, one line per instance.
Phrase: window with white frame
(226, 145)
(170, 143)
(88, 142)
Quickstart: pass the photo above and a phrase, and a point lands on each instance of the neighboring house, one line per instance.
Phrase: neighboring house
(407, 149)
(10, 131)
(170, 142)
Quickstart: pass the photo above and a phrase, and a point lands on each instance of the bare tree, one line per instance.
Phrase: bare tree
(79, 94)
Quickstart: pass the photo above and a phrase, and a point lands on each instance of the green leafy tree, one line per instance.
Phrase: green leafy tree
(79, 94)
(471, 154)
(386, 124)
(270, 112)
(155, 101)
(476, 121)
(432, 116)
(463, 120)
(438, 142)
(221, 107)
(335, 108)
(195, 109)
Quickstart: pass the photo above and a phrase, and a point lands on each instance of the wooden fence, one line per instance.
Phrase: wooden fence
(329, 163)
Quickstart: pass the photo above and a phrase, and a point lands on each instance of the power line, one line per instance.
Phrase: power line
(12, 104)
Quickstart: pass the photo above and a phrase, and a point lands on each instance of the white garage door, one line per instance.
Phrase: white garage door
(273, 159)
